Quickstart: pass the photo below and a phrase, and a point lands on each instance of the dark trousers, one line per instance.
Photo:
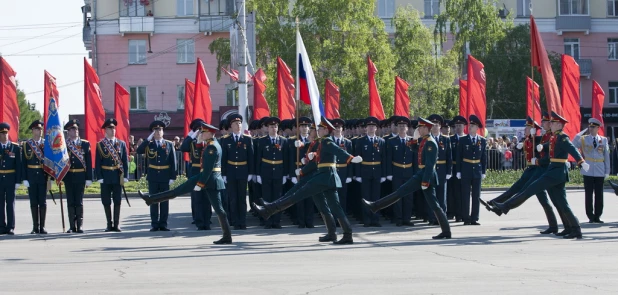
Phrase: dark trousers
(37, 192)
(7, 200)
(342, 193)
(402, 209)
(370, 188)
(594, 186)
(441, 197)
(237, 196)
(75, 194)
(271, 190)
(305, 212)
(470, 195)
(159, 212)
(453, 197)
(111, 192)
(202, 207)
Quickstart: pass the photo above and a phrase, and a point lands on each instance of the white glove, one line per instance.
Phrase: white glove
(539, 147)
(483, 176)
(533, 131)
(358, 179)
(304, 161)
(294, 180)
(448, 176)
(100, 181)
(150, 136)
(585, 166)
(348, 180)
(458, 175)
(390, 178)
(568, 164)
(259, 179)
(250, 177)
(225, 179)
(606, 176)
(582, 132)
(533, 161)
(520, 145)
(194, 135)
(285, 179)
(357, 159)
(297, 172)
(171, 181)
(424, 187)
(197, 189)
(126, 180)
(416, 135)
(88, 183)
(382, 179)
(298, 144)
(26, 183)
(311, 155)
(17, 185)
(190, 134)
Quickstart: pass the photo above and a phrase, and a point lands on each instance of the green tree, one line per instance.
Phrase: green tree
(27, 114)
(221, 48)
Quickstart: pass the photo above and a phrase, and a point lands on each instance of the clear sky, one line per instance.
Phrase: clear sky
(37, 35)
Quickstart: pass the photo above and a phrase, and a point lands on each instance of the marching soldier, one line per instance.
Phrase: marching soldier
(400, 167)
(271, 170)
(35, 179)
(595, 149)
(208, 183)
(111, 164)
(305, 208)
(444, 164)
(344, 171)
(371, 172)
(10, 173)
(454, 184)
(200, 207)
(161, 172)
(237, 165)
(425, 180)
(471, 167)
(78, 177)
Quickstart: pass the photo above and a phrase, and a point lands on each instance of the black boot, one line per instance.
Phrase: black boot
(42, 214)
(382, 203)
(158, 197)
(116, 218)
(270, 209)
(331, 234)
(347, 232)
(35, 220)
(566, 231)
(71, 211)
(108, 216)
(79, 216)
(444, 225)
(576, 233)
(551, 220)
(550, 230)
(225, 227)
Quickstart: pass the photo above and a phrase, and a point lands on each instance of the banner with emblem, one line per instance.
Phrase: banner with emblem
(56, 162)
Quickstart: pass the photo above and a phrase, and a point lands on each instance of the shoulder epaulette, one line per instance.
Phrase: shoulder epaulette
(292, 137)
(83, 140)
(225, 136)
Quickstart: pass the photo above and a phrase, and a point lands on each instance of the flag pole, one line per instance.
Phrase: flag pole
(297, 100)
(61, 207)
(532, 93)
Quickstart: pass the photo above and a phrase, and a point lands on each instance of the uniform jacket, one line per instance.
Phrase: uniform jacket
(210, 174)
(269, 153)
(401, 159)
(471, 158)
(80, 158)
(597, 157)
(32, 160)
(237, 160)
(111, 165)
(10, 160)
(373, 154)
(160, 160)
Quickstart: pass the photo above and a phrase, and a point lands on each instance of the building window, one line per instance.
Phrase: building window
(184, 8)
(138, 97)
(137, 52)
(523, 8)
(132, 8)
(185, 51)
(573, 7)
(386, 8)
(180, 93)
(571, 47)
(613, 92)
(612, 48)
(612, 7)
(217, 7)
(432, 8)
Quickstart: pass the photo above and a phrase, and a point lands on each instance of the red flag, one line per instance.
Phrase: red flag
(402, 99)
(233, 74)
(8, 99)
(189, 93)
(476, 91)
(598, 98)
(94, 115)
(540, 60)
(375, 103)
(49, 89)
(121, 113)
(533, 107)
(570, 96)
(202, 106)
(463, 98)
(260, 105)
(285, 91)
(331, 100)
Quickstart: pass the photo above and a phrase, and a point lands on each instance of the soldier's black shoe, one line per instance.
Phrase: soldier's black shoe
(10, 232)
(109, 228)
(597, 220)
(328, 238)
(310, 226)
(573, 235)
(442, 236)
(268, 226)
(346, 240)
(237, 227)
(371, 206)
(163, 228)
(301, 226)
(433, 223)
(487, 204)
(551, 230)
(35, 230)
(398, 223)
(564, 232)
(224, 240)
(467, 223)
(145, 197)
(261, 210)
(475, 223)
(277, 226)
(499, 209)
(79, 231)
(154, 229)
(408, 223)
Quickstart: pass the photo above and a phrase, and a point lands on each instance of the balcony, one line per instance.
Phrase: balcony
(87, 37)
(585, 67)
(136, 24)
(216, 15)
(573, 23)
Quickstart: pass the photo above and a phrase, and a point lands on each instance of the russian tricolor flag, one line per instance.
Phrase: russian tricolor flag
(307, 86)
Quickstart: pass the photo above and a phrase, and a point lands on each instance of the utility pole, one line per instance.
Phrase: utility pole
(243, 100)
